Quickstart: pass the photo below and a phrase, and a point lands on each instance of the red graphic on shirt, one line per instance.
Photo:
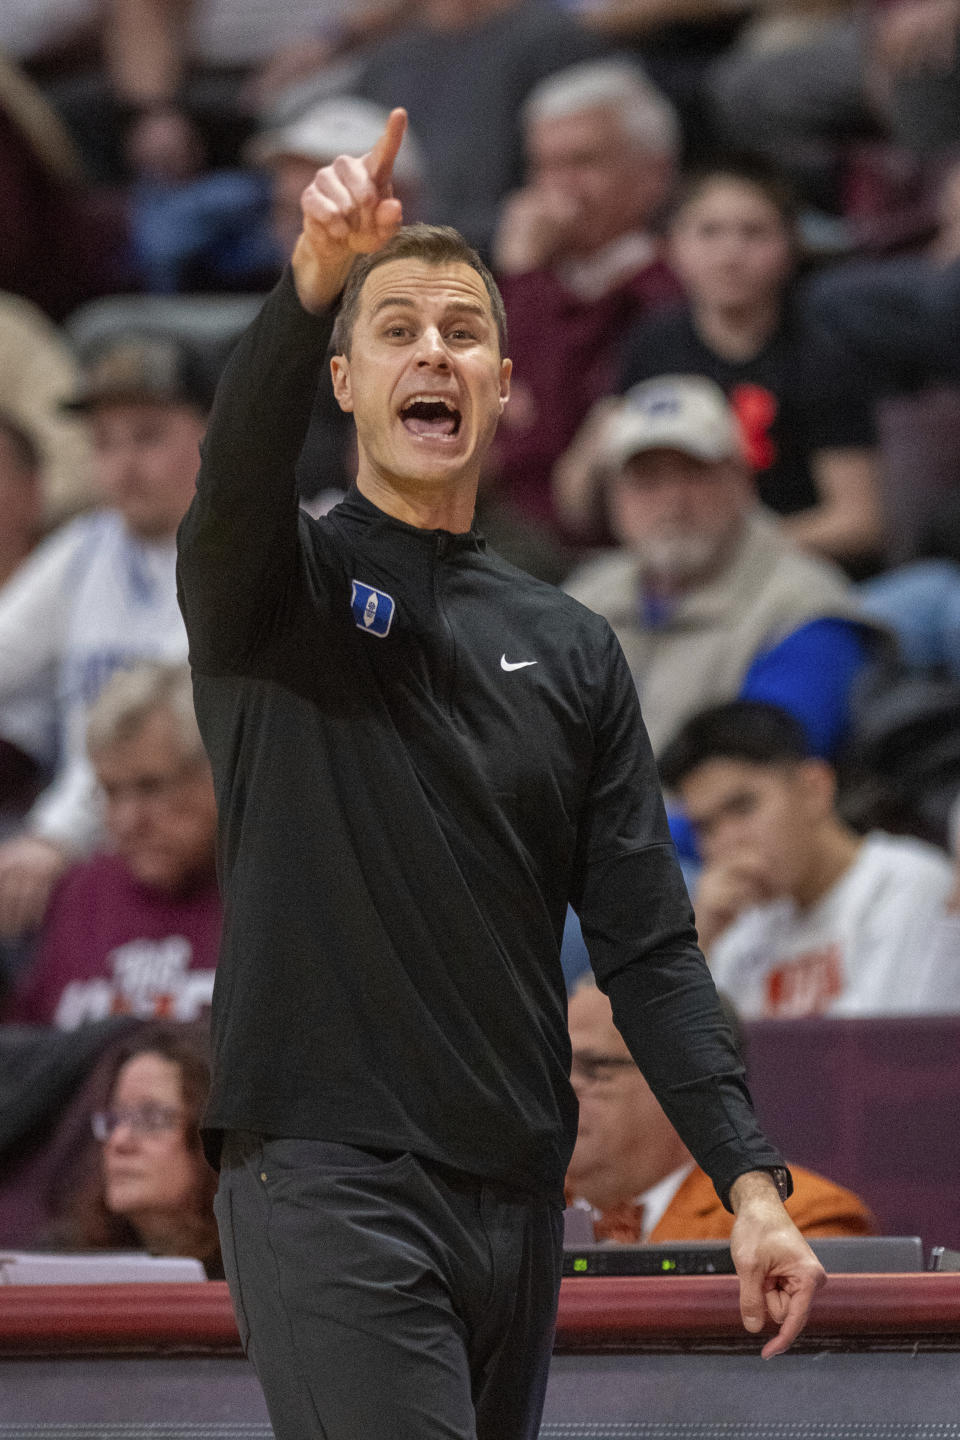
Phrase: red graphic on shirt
(756, 410)
(806, 984)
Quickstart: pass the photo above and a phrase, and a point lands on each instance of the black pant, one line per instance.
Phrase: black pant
(383, 1297)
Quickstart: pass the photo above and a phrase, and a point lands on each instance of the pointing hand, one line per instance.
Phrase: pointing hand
(349, 209)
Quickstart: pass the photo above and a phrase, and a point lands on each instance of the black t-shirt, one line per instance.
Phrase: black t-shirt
(801, 393)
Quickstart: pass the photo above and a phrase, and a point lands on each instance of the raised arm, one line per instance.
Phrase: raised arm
(239, 545)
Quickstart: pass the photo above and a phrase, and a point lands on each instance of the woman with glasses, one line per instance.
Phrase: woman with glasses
(152, 1188)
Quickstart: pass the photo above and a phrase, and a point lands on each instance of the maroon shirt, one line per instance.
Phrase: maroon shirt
(566, 354)
(113, 946)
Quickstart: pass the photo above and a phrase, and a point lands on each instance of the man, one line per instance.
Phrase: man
(419, 754)
(576, 260)
(797, 913)
(633, 1172)
(708, 597)
(98, 595)
(134, 930)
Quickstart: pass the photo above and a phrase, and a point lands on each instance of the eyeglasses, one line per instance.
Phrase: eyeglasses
(598, 1069)
(142, 1119)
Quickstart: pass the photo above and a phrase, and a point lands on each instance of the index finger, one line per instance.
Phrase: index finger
(380, 160)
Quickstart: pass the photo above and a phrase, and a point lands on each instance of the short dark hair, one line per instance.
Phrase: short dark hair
(745, 170)
(26, 450)
(433, 244)
(749, 730)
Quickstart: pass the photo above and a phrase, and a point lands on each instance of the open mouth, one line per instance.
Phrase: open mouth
(430, 415)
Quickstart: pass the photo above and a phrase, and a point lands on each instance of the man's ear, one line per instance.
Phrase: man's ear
(506, 370)
(342, 386)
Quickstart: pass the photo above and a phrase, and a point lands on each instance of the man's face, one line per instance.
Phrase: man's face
(146, 460)
(731, 248)
(424, 380)
(679, 515)
(625, 1143)
(612, 184)
(160, 808)
(765, 816)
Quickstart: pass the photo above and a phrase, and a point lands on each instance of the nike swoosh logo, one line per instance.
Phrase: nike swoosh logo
(506, 664)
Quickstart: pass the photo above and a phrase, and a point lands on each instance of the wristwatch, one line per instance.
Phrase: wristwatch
(780, 1176)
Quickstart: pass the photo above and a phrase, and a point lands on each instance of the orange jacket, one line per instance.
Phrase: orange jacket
(817, 1207)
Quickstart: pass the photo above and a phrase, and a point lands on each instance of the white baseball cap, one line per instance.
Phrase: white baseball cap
(340, 125)
(688, 413)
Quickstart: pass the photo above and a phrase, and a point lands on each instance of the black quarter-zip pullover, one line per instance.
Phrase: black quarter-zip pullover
(420, 755)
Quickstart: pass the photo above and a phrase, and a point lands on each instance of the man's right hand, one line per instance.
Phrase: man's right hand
(349, 209)
(726, 887)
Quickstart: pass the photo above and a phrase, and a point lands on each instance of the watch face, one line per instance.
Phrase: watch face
(781, 1178)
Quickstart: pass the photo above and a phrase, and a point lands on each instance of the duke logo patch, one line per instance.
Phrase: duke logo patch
(372, 609)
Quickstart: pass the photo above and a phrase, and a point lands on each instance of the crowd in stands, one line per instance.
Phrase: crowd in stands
(727, 233)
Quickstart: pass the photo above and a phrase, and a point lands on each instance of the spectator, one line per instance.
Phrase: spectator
(804, 404)
(135, 929)
(37, 369)
(707, 595)
(462, 69)
(98, 595)
(576, 258)
(151, 1188)
(797, 913)
(633, 1172)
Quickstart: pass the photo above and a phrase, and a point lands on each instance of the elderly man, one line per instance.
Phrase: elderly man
(420, 755)
(576, 260)
(633, 1172)
(135, 929)
(708, 597)
(98, 595)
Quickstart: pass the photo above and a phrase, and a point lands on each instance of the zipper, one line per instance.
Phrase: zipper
(441, 552)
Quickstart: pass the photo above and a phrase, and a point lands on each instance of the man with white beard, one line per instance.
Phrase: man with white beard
(709, 598)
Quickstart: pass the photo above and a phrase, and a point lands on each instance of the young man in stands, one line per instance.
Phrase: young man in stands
(135, 929)
(633, 1172)
(797, 913)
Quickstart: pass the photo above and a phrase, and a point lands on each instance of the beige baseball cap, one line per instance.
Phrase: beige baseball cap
(688, 413)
